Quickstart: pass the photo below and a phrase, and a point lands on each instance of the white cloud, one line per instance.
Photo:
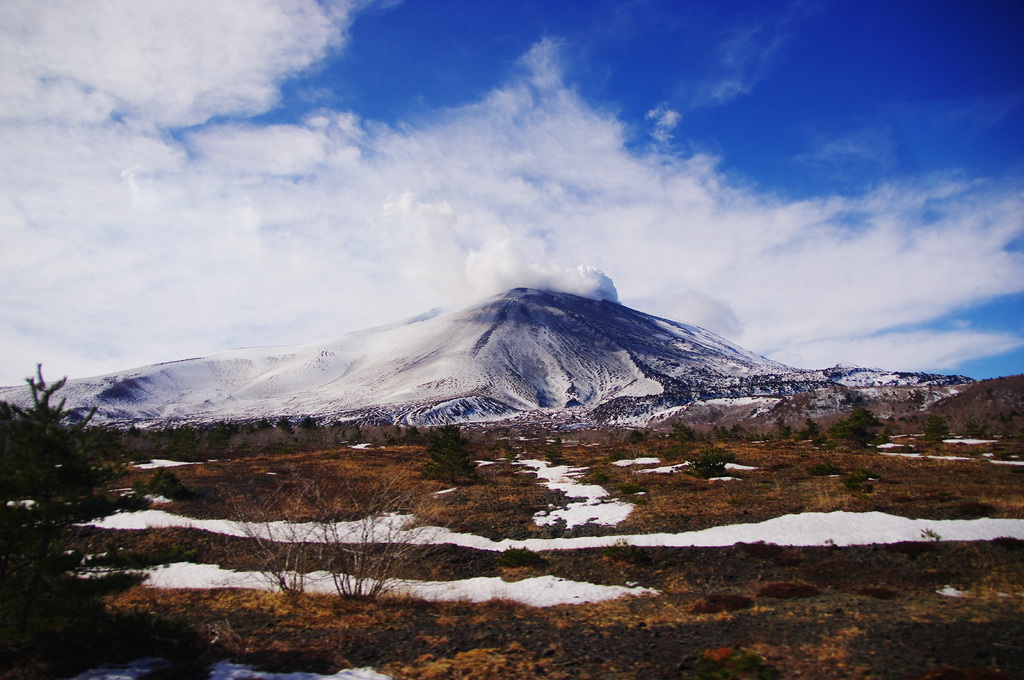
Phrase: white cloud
(665, 120)
(171, 62)
(911, 350)
(124, 244)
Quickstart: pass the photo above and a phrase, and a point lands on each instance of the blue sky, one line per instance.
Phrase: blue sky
(820, 182)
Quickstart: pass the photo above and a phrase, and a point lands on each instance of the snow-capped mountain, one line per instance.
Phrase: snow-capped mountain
(521, 351)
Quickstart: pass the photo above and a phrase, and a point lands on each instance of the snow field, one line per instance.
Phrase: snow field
(805, 529)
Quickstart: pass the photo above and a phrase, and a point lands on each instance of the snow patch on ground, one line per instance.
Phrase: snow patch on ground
(666, 470)
(921, 455)
(969, 441)
(636, 461)
(595, 508)
(804, 529)
(132, 671)
(160, 463)
(224, 670)
(541, 591)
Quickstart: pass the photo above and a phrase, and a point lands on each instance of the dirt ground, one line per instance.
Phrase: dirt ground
(823, 612)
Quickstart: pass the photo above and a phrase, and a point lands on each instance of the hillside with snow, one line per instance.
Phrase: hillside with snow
(522, 352)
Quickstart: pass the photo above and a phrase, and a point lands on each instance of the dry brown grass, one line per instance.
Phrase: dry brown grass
(825, 636)
(513, 662)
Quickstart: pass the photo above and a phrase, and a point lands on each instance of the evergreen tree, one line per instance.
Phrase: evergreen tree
(974, 429)
(935, 428)
(858, 429)
(449, 455)
(683, 433)
(811, 430)
(49, 472)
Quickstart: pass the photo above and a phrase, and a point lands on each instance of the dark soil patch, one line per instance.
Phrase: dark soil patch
(911, 549)
(878, 593)
(787, 590)
(713, 604)
(960, 674)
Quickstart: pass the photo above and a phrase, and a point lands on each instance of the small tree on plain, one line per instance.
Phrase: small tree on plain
(49, 474)
(449, 455)
(935, 428)
(858, 429)
(683, 433)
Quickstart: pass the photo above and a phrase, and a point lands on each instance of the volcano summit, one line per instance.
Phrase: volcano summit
(524, 351)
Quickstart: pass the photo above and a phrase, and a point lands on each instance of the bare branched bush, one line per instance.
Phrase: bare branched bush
(366, 556)
(285, 547)
(308, 527)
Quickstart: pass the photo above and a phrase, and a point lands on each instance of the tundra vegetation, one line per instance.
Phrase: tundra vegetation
(335, 497)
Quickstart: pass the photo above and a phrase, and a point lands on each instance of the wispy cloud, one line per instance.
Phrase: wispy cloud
(872, 145)
(130, 239)
(745, 55)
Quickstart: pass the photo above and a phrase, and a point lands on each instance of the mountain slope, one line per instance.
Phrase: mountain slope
(521, 351)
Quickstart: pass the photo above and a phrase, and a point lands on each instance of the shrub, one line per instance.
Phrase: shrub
(519, 557)
(624, 553)
(857, 481)
(826, 469)
(726, 663)
(632, 487)
(597, 477)
(363, 557)
(164, 483)
(554, 455)
(636, 437)
(710, 464)
(761, 549)
(1009, 543)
